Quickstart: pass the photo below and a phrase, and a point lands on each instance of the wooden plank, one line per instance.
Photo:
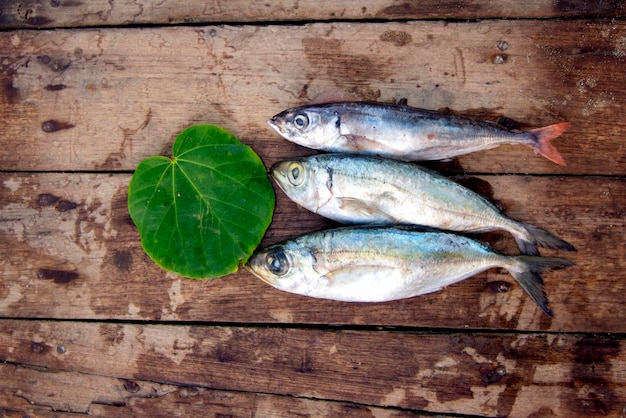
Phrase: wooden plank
(58, 13)
(69, 391)
(201, 402)
(46, 393)
(70, 250)
(480, 374)
(106, 99)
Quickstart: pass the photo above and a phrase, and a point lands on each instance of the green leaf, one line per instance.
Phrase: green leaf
(205, 210)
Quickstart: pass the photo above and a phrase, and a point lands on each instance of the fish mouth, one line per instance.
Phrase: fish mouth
(275, 124)
(252, 267)
(277, 174)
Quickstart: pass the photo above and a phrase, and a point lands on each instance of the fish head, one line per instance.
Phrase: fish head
(286, 267)
(310, 126)
(304, 180)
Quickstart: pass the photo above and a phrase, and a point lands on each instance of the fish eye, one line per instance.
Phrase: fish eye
(296, 174)
(301, 121)
(277, 263)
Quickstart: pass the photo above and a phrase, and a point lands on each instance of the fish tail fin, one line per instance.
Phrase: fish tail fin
(527, 271)
(533, 237)
(527, 244)
(542, 144)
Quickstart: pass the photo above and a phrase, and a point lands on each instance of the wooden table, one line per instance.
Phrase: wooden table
(89, 325)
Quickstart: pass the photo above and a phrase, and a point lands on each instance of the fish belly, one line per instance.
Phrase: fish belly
(374, 283)
(378, 265)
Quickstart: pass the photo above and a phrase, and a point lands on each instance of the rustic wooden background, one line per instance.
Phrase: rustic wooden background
(89, 325)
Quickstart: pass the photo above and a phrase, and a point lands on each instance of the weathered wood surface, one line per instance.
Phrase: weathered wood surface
(89, 325)
(479, 374)
(69, 238)
(63, 13)
(40, 392)
(104, 99)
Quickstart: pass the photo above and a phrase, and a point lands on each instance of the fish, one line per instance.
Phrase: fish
(356, 189)
(403, 132)
(381, 264)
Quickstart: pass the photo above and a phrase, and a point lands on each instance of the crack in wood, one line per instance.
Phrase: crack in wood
(74, 391)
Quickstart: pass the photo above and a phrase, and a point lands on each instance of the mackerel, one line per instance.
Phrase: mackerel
(403, 132)
(384, 264)
(369, 190)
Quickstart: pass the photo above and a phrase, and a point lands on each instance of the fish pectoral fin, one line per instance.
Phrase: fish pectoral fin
(363, 143)
(370, 209)
(361, 274)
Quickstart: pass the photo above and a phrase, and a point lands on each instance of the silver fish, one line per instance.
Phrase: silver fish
(383, 264)
(403, 132)
(370, 190)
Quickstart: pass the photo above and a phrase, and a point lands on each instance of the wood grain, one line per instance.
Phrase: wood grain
(470, 373)
(41, 392)
(69, 391)
(86, 262)
(197, 401)
(59, 13)
(76, 100)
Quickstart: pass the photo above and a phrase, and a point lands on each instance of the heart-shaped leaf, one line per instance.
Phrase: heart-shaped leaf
(206, 209)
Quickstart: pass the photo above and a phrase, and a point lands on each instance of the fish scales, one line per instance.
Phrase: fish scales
(401, 189)
(371, 190)
(376, 264)
(436, 137)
